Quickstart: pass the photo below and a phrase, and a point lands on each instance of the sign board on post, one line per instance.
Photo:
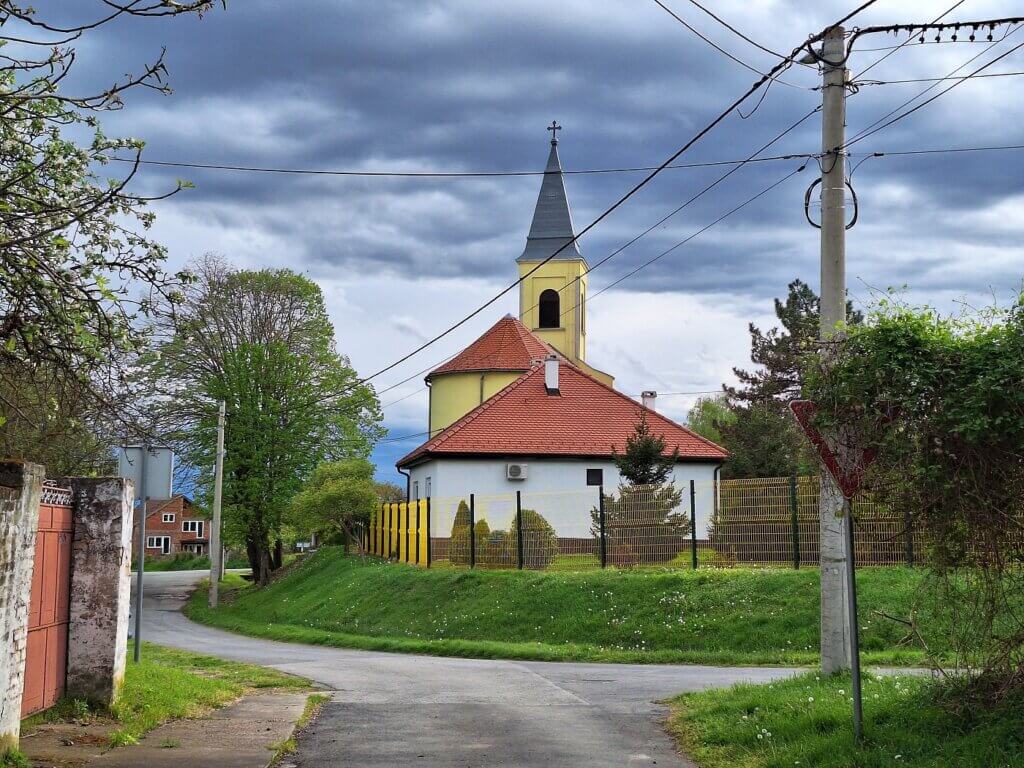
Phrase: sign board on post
(159, 469)
(846, 464)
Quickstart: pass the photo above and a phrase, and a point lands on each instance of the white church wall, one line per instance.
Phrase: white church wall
(556, 488)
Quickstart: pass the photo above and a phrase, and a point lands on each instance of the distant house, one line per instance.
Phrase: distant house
(173, 527)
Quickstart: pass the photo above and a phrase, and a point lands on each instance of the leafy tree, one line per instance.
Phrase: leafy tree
(339, 496)
(262, 342)
(760, 433)
(389, 492)
(77, 271)
(708, 415)
(642, 524)
(644, 461)
(939, 401)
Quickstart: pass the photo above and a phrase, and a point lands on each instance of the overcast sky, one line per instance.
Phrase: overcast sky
(457, 85)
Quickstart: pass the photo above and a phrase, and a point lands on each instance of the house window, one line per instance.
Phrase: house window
(415, 489)
(193, 526)
(428, 486)
(549, 314)
(163, 543)
(168, 517)
(595, 477)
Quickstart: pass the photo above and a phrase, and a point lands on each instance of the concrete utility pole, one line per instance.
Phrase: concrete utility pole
(140, 557)
(835, 620)
(216, 549)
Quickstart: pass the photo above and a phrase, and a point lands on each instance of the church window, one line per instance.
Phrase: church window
(549, 314)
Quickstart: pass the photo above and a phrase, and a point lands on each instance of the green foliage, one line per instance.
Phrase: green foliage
(740, 616)
(760, 433)
(262, 342)
(500, 548)
(939, 399)
(708, 415)
(340, 496)
(14, 758)
(644, 524)
(78, 271)
(908, 721)
(644, 461)
(389, 492)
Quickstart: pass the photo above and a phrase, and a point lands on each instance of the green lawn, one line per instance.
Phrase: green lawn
(168, 684)
(647, 615)
(806, 722)
(192, 563)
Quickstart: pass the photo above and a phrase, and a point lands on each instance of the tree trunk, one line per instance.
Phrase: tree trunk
(278, 558)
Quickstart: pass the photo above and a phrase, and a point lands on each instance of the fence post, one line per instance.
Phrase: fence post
(428, 531)
(472, 531)
(795, 520)
(393, 531)
(693, 524)
(909, 538)
(602, 544)
(519, 530)
(380, 531)
(419, 532)
(408, 527)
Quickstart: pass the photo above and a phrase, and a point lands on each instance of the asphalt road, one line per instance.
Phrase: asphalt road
(394, 710)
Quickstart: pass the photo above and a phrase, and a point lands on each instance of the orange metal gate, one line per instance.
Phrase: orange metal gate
(46, 656)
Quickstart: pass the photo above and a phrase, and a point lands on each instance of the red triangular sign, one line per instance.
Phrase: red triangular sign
(848, 473)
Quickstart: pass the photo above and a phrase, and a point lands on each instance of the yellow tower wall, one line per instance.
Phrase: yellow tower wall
(453, 395)
(570, 338)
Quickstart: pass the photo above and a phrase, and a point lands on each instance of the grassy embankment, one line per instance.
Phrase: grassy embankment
(169, 684)
(806, 722)
(190, 563)
(706, 616)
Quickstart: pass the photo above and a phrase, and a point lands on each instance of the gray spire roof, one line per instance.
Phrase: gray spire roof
(552, 220)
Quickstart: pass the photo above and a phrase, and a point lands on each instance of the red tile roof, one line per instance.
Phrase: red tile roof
(585, 418)
(507, 346)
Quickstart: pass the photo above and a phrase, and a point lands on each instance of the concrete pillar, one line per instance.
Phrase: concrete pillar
(100, 587)
(21, 485)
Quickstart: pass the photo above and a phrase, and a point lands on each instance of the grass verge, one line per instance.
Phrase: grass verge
(314, 703)
(645, 616)
(168, 684)
(806, 722)
(184, 562)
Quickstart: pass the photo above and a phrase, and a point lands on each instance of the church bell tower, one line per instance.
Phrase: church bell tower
(552, 299)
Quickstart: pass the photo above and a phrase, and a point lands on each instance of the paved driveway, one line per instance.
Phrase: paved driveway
(392, 710)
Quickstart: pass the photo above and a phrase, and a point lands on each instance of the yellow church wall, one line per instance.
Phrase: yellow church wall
(570, 338)
(453, 395)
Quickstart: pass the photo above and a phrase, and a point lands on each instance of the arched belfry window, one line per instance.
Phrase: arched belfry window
(548, 305)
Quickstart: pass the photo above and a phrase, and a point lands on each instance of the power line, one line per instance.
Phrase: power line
(629, 194)
(865, 133)
(432, 174)
(736, 32)
(906, 42)
(722, 50)
(935, 79)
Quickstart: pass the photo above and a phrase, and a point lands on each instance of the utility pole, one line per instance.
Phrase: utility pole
(835, 620)
(140, 558)
(216, 549)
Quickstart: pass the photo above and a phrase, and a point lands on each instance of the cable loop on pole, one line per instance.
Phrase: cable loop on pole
(807, 204)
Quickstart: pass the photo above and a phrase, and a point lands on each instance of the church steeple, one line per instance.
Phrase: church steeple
(552, 218)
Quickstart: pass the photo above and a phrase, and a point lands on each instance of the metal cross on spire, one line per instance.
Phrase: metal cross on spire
(553, 128)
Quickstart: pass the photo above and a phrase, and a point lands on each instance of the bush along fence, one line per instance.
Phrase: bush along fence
(763, 521)
(570, 530)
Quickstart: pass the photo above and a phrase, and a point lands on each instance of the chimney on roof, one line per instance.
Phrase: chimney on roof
(551, 374)
(648, 398)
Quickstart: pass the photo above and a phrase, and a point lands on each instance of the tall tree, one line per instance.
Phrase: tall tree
(644, 461)
(77, 271)
(760, 433)
(339, 497)
(262, 342)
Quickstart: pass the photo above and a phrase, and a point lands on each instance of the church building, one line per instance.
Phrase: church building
(521, 409)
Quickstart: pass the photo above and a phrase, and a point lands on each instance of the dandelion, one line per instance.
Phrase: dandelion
(810, 699)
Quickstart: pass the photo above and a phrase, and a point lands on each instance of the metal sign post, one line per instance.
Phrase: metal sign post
(140, 559)
(849, 478)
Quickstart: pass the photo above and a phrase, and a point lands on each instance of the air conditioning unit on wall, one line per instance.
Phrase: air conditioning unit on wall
(515, 471)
